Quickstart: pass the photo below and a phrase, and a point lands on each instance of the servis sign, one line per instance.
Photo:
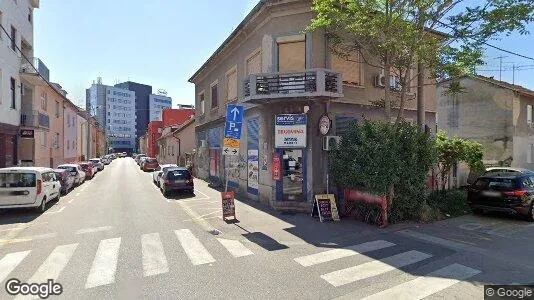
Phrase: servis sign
(290, 131)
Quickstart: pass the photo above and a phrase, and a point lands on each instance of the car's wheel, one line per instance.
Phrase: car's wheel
(57, 197)
(42, 207)
(530, 216)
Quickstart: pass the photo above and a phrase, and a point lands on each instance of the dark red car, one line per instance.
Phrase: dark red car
(88, 169)
(150, 164)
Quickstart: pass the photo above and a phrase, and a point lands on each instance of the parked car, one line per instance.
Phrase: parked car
(141, 161)
(89, 169)
(99, 163)
(75, 170)
(150, 164)
(106, 159)
(138, 157)
(28, 187)
(474, 175)
(510, 192)
(176, 179)
(124, 154)
(156, 175)
(66, 179)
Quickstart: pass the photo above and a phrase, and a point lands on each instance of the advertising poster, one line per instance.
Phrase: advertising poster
(252, 169)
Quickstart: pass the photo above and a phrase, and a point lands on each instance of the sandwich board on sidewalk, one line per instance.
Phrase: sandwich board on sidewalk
(228, 205)
(325, 207)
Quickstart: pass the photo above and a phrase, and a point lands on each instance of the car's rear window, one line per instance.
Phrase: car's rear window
(178, 174)
(71, 169)
(500, 184)
(152, 160)
(17, 180)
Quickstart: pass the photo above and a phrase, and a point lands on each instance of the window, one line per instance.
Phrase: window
(13, 38)
(529, 114)
(214, 96)
(57, 109)
(68, 145)
(44, 101)
(291, 56)
(30, 15)
(56, 142)
(201, 103)
(231, 84)
(253, 63)
(44, 139)
(13, 93)
(350, 67)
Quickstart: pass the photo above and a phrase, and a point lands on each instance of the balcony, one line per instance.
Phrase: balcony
(30, 72)
(34, 119)
(313, 83)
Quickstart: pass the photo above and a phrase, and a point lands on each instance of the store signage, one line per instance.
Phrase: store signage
(27, 133)
(228, 205)
(324, 124)
(290, 131)
(325, 207)
(276, 167)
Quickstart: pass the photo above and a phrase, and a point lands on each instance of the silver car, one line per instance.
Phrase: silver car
(156, 175)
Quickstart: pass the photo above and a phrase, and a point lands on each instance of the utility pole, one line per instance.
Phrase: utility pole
(500, 66)
(513, 74)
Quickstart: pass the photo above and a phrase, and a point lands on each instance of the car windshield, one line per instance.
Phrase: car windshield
(495, 183)
(178, 174)
(9, 180)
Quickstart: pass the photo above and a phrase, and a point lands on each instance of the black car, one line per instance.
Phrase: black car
(66, 179)
(510, 192)
(177, 179)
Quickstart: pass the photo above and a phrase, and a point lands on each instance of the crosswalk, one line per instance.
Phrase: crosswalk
(418, 288)
(106, 259)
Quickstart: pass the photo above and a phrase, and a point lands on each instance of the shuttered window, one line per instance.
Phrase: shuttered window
(254, 64)
(292, 57)
(350, 67)
(231, 85)
(529, 114)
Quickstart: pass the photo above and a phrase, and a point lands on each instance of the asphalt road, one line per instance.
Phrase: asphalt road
(117, 237)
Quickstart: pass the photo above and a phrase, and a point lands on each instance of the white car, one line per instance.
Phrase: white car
(156, 175)
(28, 187)
(76, 171)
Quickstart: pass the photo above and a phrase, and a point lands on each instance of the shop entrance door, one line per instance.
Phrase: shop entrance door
(293, 175)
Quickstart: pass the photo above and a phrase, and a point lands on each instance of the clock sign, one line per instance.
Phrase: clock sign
(324, 124)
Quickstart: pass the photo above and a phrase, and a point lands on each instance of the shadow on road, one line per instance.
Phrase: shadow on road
(180, 196)
(22, 215)
(264, 241)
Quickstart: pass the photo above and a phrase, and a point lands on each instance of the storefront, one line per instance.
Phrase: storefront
(8, 145)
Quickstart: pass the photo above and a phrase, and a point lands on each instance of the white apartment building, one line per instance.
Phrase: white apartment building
(156, 104)
(16, 35)
(120, 118)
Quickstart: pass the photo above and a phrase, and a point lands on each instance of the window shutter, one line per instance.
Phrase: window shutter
(529, 114)
(350, 68)
(232, 85)
(292, 57)
(254, 64)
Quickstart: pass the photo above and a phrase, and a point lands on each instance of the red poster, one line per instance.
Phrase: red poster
(214, 163)
(276, 167)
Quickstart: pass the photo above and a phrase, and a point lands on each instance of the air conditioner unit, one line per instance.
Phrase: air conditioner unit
(394, 81)
(380, 80)
(330, 141)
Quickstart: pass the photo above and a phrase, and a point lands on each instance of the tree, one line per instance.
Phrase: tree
(445, 37)
(454, 150)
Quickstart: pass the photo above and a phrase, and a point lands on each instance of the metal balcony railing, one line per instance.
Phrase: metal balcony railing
(310, 83)
(34, 119)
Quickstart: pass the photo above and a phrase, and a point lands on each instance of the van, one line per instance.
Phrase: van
(28, 187)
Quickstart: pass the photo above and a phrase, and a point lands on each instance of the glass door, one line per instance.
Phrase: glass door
(293, 177)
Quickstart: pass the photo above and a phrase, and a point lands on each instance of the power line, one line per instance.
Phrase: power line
(507, 51)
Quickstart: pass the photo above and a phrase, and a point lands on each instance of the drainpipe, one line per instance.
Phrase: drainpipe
(179, 146)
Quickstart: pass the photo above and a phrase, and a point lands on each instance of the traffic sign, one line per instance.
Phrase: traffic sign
(232, 143)
(230, 151)
(232, 130)
(234, 121)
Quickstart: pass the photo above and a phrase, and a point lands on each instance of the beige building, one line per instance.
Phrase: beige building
(494, 113)
(284, 77)
(177, 144)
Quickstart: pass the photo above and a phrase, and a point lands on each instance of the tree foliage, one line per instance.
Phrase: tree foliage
(446, 36)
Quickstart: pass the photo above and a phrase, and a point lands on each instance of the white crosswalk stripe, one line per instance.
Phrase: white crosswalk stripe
(10, 261)
(334, 254)
(154, 260)
(374, 268)
(425, 286)
(193, 247)
(104, 264)
(236, 248)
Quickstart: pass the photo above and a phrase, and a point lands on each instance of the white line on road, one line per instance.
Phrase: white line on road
(424, 286)
(193, 248)
(374, 268)
(206, 218)
(77, 194)
(10, 262)
(105, 263)
(235, 247)
(334, 254)
(70, 201)
(28, 238)
(154, 261)
(95, 229)
(55, 212)
(14, 229)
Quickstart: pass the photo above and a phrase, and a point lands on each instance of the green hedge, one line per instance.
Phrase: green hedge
(449, 203)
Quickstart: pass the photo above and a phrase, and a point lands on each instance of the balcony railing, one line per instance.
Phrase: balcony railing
(27, 68)
(311, 83)
(34, 119)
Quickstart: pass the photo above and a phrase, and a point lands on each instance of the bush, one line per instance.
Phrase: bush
(449, 203)
(380, 157)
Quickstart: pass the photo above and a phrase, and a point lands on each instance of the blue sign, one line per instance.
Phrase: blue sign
(291, 119)
(234, 121)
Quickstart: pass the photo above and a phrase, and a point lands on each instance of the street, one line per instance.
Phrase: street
(116, 236)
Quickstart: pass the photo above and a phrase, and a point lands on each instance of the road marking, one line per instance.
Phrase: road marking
(14, 229)
(28, 238)
(105, 263)
(334, 254)
(53, 265)
(95, 229)
(235, 247)
(55, 212)
(78, 194)
(374, 268)
(193, 248)
(424, 286)
(154, 261)
(196, 217)
(10, 262)
(196, 220)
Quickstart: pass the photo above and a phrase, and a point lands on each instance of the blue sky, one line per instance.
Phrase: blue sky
(163, 42)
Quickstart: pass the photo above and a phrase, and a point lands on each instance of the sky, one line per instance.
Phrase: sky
(163, 42)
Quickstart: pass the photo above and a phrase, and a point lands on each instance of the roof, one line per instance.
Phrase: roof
(182, 127)
(503, 84)
(229, 38)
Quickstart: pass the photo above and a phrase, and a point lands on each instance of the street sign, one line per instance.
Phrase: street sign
(231, 146)
(234, 121)
(230, 151)
(27, 133)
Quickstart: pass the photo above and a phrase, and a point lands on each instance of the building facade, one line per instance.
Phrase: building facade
(156, 104)
(176, 146)
(288, 81)
(16, 18)
(494, 113)
(120, 119)
(70, 130)
(142, 92)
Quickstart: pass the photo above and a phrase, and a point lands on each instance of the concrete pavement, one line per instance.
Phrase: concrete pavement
(117, 237)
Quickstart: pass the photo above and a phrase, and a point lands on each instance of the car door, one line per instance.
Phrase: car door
(56, 184)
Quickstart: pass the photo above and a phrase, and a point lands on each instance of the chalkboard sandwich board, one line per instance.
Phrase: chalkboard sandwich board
(325, 207)
(228, 205)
